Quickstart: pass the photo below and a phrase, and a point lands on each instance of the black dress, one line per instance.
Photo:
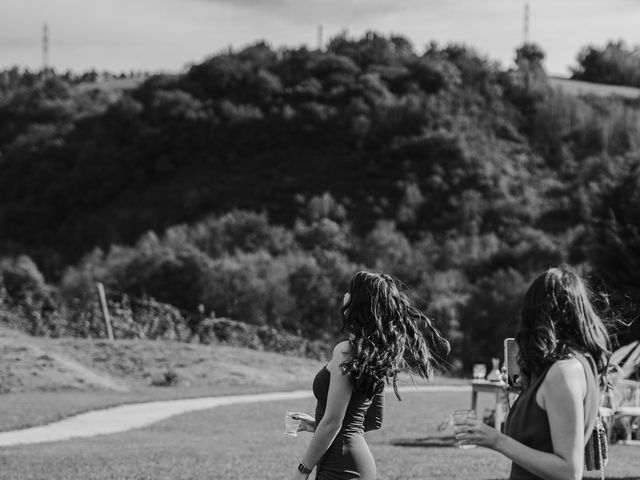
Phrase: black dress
(348, 457)
(528, 423)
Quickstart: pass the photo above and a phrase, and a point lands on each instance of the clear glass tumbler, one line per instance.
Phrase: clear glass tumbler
(291, 424)
(460, 418)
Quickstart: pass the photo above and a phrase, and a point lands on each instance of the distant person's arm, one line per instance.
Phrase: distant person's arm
(375, 413)
(338, 397)
(562, 393)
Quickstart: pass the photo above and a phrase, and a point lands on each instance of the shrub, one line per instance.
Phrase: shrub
(613, 64)
(167, 378)
(230, 332)
(491, 314)
(251, 287)
(387, 249)
(20, 279)
(324, 234)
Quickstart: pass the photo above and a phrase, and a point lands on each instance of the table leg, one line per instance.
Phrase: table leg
(499, 416)
(474, 398)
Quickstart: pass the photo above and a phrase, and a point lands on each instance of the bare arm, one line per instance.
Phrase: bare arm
(338, 397)
(561, 395)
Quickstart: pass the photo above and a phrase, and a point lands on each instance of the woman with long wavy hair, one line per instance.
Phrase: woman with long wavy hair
(387, 334)
(563, 357)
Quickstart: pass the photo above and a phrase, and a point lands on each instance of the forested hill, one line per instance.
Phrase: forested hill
(435, 141)
(370, 122)
(453, 166)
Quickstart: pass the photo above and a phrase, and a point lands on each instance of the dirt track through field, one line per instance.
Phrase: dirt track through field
(127, 417)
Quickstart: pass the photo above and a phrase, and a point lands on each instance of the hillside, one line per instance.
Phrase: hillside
(577, 87)
(32, 364)
(368, 122)
(45, 379)
(251, 186)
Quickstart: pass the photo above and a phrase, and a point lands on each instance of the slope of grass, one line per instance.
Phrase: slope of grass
(46, 379)
(36, 363)
(246, 442)
(577, 87)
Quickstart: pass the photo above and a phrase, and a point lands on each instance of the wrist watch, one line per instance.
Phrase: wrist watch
(304, 469)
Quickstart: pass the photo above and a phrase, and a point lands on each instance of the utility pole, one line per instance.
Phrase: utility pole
(45, 46)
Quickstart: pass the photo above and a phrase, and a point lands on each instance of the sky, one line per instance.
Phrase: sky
(168, 35)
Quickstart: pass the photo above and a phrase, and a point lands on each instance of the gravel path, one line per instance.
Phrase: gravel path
(127, 417)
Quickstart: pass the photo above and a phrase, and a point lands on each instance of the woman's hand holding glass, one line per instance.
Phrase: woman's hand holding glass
(307, 422)
(475, 432)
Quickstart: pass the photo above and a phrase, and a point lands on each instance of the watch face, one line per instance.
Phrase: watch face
(303, 468)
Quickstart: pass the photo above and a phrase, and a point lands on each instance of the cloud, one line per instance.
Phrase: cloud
(323, 11)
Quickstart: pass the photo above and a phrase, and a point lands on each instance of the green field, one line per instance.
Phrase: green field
(45, 379)
(576, 87)
(50, 379)
(246, 442)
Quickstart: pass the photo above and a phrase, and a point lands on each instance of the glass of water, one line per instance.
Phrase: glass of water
(460, 418)
(479, 371)
(291, 424)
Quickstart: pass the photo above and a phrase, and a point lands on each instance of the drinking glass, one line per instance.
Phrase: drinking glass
(479, 371)
(460, 417)
(291, 424)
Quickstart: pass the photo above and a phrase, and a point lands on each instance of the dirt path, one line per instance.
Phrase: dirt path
(127, 417)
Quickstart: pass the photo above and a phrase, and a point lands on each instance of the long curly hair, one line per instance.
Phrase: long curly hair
(387, 334)
(558, 319)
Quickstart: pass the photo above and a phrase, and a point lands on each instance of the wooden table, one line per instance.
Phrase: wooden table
(495, 388)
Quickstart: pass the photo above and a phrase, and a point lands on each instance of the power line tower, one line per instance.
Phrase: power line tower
(45, 46)
(526, 23)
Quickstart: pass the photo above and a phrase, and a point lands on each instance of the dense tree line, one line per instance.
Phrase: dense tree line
(270, 176)
(614, 64)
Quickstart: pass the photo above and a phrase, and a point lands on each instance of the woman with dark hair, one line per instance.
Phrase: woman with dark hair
(563, 355)
(387, 334)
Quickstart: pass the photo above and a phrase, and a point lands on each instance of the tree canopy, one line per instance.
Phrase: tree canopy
(254, 183)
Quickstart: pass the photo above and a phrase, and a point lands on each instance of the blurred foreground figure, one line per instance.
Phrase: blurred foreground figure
(564, 353)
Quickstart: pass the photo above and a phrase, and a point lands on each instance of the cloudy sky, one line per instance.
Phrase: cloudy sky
(169, 34)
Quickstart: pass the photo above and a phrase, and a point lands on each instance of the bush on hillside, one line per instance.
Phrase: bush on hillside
(240, 334)
(491, 314)
(613, 242)
(20, 279)
(438, 167)
(614, 64)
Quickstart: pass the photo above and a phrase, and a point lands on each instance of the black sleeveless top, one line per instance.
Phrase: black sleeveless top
(528, 423)
(363, 413)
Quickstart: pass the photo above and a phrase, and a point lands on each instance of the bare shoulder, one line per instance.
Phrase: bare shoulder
(342, 350)
(566, 376)
(567, 370)
(341, 353)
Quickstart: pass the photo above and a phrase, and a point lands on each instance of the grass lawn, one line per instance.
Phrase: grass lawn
(44, 379)
(246, 442)
(26, 409)
(577, 87)
(21, 410)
